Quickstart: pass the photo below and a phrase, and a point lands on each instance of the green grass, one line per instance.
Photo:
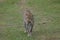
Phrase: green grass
(47, 20)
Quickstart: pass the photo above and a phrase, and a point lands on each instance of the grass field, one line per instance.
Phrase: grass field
(47, 20)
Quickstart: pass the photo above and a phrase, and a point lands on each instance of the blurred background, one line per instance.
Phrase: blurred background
(46, 15)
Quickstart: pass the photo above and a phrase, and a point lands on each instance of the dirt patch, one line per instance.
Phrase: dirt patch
(2, 0)
(23, 5)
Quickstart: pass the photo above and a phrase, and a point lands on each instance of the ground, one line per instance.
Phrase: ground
(46, 14)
